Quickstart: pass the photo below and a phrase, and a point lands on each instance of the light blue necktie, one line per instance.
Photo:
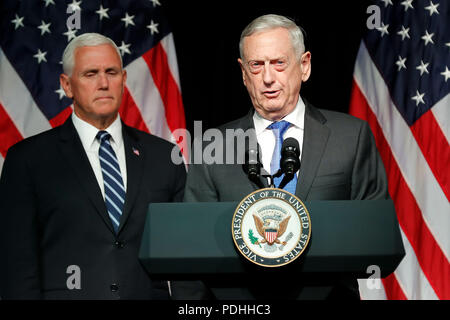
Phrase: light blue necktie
(278, 129)
(112, 179)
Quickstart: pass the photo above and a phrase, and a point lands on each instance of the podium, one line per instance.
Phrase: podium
(193, 241)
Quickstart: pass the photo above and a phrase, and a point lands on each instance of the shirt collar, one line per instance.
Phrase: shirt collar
(88, 132)
(296, 118)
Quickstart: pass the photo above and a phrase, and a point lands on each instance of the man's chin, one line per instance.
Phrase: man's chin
(270, 110)
(273, 108)
(107, 115)
(106, 108)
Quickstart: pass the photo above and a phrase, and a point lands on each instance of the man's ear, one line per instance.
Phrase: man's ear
(65, 84)
(124, 76)
(241, 64)
(305, 63)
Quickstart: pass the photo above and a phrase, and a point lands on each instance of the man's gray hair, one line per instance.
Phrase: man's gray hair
(84, 40)
(273, 21)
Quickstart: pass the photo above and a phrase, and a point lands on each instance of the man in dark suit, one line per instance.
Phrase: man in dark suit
(73, 200)
(338, 156)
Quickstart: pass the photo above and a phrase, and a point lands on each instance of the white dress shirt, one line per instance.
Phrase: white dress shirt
(87, 134)
(266, 138)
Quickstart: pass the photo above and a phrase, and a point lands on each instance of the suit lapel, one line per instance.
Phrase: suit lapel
(76, 157)
(314, 142)
(135, 159)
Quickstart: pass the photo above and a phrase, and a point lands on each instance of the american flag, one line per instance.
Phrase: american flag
(401, 88)
(33, 35)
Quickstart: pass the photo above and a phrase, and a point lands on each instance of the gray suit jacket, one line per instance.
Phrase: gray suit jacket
(339, 161)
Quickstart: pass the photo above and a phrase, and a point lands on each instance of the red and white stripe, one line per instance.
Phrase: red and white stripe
(271, 236)
(416, 161)
(152, 99)
(19, 115)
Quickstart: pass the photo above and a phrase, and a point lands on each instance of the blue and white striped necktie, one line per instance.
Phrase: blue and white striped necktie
(112, 179)
(278, 129)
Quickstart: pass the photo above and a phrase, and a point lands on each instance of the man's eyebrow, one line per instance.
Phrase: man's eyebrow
(271, 59)
(90, 70)
(280, 58)
(96, 70)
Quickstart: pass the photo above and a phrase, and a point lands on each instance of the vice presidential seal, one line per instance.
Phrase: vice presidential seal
(271, 227)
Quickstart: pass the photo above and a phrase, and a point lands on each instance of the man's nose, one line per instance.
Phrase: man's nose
(103, 81)
(268, 75)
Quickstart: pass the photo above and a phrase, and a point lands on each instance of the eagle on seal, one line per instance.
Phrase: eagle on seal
(271, 229)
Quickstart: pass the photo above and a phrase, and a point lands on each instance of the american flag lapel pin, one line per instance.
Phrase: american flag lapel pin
(135, 151)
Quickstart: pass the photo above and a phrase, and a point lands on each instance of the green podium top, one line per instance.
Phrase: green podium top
(194, 240)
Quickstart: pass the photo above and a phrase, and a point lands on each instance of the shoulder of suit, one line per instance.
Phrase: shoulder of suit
(340, 118)
(245, 121)
(149, 140)
(323, 115)
(39, 141)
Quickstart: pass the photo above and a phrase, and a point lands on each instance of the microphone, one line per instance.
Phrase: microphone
(290, 160)
(252, 166)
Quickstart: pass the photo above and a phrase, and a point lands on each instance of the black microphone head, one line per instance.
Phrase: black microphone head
(290, 156)
(290, 144)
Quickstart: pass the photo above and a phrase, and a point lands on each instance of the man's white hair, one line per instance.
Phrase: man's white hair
(84, 40)
(273, 21)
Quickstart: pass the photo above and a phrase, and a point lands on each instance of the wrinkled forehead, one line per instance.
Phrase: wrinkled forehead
(104, 54)
(268, 45)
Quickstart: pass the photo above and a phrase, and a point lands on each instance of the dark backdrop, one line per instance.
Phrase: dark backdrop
(206, 35)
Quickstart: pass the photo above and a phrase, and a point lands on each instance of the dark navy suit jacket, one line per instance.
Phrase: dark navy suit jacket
(52, 216)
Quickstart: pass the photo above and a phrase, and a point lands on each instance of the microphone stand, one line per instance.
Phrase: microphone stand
(256, 180)
(272, 178)
(285, 181)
